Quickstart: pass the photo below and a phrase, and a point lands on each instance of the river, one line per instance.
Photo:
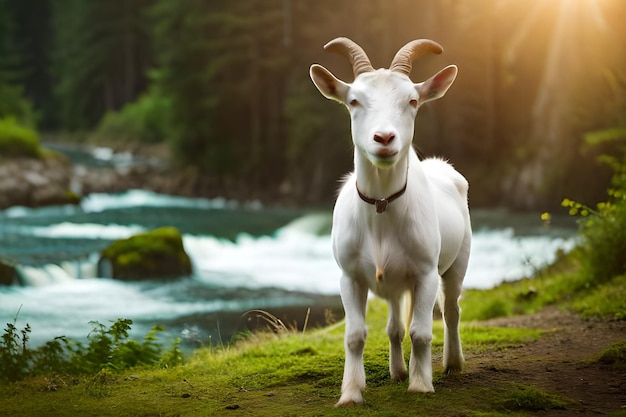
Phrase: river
(244, 256)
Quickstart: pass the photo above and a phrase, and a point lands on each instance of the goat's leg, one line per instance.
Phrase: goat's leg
(354, 298)
(395, 331)
(421, 332)
(452, 351)
(451, 286)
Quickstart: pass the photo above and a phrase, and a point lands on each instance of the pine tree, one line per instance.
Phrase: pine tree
(12, 100)
(100, 57)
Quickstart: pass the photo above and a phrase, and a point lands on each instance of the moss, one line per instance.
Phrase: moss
(17, 140)
(614, 355)
(531, 398)
(156, 254)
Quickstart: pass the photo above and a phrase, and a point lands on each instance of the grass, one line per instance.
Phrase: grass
(531, 398)
(562, 284)
(613, 355)
(269, 374)
(283, 372)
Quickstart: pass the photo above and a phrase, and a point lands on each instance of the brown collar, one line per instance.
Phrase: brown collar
(381, 204)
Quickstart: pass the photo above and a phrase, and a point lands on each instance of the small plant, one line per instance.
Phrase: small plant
(603, 229)
(14, 352)
(109, 349)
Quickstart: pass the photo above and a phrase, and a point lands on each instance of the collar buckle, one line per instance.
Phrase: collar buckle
(381, 205)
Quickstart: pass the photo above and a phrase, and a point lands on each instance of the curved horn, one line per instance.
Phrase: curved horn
(403, 60)
(355, 54)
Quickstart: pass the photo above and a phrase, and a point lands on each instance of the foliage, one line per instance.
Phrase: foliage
(227, 109)
(13, 104)
(145, 120)
(603, 229)
(279, 374)
(99, 57)
(109, 348)
(591, 279)
(14, 355)
(17, 140)
(242, 108)
(606, 300)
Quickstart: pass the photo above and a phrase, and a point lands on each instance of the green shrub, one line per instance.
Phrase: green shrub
(14, 354)
(17, 140)
(603, 229)
(109, 348)
(145, 120)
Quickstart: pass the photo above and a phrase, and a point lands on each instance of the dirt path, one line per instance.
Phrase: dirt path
(557, 362)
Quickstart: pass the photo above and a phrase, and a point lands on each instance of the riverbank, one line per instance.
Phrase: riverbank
(59, 178)
(558, 349)
(547, 364)
(36, 182)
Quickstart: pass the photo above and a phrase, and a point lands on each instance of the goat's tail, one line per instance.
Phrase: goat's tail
(408, 303)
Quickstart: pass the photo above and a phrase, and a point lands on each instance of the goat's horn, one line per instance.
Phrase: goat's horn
(355, 54)
(403, 60)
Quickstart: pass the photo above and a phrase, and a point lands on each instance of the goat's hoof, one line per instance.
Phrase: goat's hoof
(453, 370)
(453, 367)
(350, 401)
(421, 387)
(399, 376)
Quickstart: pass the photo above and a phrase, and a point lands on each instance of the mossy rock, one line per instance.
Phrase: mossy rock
(17, 140)
(158, 254)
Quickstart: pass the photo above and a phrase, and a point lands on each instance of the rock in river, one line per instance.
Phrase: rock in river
(158, 254)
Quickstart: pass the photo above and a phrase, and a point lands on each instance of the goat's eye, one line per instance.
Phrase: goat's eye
(413, 103)
(354, 102)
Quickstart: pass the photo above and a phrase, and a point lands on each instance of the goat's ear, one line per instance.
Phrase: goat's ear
(437, 85)
(329, 85)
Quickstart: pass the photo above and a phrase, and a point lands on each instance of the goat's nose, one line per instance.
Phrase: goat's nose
(384, 138)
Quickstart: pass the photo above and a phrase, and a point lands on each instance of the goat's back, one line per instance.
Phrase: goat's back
(449, 190)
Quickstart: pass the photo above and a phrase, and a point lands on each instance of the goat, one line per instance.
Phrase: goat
(401, 225)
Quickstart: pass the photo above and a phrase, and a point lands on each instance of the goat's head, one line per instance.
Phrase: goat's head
(383, 103)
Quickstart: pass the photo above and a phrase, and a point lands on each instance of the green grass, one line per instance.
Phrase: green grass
(531, 398)
(299, 374)
(270, 374)
(563, 284)
(608, 300)
(613, 355)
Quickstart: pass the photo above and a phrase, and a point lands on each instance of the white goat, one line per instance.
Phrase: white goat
(400, 225)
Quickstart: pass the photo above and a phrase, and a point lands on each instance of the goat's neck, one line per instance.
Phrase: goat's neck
(378, 182)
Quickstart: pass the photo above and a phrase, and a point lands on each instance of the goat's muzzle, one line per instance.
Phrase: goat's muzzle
(384, 138)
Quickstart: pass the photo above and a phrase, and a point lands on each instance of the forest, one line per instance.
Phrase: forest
(541, 92)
